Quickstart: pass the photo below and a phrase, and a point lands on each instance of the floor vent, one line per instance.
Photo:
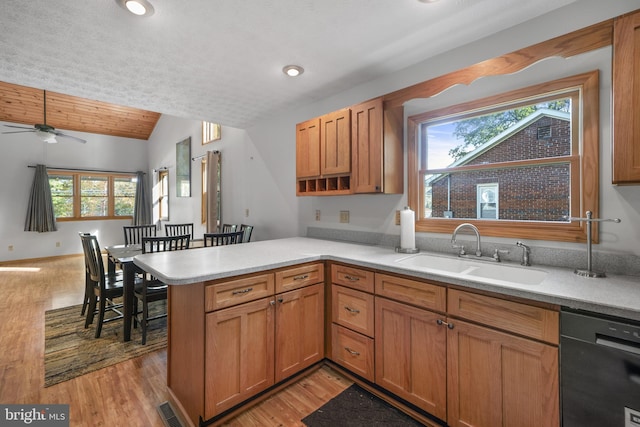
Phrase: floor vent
(168, 416)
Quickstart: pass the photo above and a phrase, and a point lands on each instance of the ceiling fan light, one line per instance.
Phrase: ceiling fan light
(47, 137)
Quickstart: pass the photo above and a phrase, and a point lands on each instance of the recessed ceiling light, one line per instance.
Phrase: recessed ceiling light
(137, 7)
(293, 70)
(427, 1)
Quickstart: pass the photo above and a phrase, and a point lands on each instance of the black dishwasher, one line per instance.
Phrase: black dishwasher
(600, 370)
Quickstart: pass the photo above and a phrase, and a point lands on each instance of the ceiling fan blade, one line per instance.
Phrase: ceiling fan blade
(19, 131)
(20, 127)
(62, 135)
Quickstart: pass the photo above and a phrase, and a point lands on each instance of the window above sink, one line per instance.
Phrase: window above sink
(520, 163)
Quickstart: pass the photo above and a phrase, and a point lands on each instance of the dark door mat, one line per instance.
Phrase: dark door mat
(356, 407)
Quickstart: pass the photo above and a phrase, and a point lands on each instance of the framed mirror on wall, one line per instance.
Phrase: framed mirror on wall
(183, 168)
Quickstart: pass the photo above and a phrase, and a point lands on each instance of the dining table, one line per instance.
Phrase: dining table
(122, 255)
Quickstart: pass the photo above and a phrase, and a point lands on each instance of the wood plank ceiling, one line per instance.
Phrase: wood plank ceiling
(25, 105)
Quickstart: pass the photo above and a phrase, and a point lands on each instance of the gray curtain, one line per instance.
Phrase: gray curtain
(40, 216)
(213, 159)
(142, 204)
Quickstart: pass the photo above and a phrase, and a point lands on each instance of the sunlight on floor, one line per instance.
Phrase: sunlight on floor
(22, 269)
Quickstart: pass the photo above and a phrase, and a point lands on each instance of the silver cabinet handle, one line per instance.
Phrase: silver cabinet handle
(351, 278)
(242, 291)
(353, 352)
(442, 322)
(272, 302)
(351, 310)
(301, 277)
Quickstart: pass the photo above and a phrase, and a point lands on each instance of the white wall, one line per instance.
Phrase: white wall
(18, 151)
(239, 163)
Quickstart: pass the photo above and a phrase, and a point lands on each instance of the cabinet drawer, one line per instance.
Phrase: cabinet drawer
(352, 277)
(414, 292)
(298, 277)
(226, 294)
(352, 309)
(523, 319)
(352, 350)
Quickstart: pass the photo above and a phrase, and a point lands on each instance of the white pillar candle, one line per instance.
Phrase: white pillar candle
(407, 229)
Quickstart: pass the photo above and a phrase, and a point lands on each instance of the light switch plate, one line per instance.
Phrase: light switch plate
(344, 216)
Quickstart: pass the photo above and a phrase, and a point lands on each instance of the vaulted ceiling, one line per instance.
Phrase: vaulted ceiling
(21, 104)
(221, 60)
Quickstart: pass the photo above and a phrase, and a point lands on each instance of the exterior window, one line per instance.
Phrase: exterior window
(203, 179)
(124, 196)
(87, 195)
(487, 201)
(94, 196)
(62, 195)
(163, 195)
(537, 146)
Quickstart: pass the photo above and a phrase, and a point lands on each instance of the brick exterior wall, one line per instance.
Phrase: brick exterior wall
(537, 193)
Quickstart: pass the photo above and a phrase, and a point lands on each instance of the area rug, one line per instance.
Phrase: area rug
(70, 350)
(356, 407)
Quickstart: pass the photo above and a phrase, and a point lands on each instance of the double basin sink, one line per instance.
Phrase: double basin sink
(467, 268)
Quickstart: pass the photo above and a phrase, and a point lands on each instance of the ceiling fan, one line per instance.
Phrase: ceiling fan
(44, 131)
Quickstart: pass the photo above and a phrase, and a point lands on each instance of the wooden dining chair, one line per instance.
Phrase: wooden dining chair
(247, 230)
(88, 284)
(104, 288)
(133, 234)
(179, 230)
(221, 239)
(152, 289)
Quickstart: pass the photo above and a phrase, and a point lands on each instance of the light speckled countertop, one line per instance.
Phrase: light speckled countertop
(615, 294)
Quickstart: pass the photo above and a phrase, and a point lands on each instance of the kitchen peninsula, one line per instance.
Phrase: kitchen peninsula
(229, 289)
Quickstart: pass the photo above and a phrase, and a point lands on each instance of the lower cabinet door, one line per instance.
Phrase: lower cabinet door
(352, 350)
(239, 358)
(498, 379)
(299, 330)
(411, 355)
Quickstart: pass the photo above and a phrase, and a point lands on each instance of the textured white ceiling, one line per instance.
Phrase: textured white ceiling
(221, 60)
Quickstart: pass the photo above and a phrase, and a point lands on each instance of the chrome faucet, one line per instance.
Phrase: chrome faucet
(526, 251)
(475, 230)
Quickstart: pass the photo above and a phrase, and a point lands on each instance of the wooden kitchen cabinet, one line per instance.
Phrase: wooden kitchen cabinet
(499, 379)
(353, 150)
(376, 148)
(323, 155)
(299, 330)
(626, 100)
(411, 355)
(335, 143)
(239, 349)
(308, 149)
(506, 372)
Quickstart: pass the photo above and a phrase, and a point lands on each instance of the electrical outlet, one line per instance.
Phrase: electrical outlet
(344, 216)
(58, 244)
(246, 212)
(317, 214)
(10, 247)
(397, 217)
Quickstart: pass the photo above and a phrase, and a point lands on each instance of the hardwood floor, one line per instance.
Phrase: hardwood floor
(124, 394)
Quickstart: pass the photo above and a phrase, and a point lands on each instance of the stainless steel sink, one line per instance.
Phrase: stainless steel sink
(483, 271)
